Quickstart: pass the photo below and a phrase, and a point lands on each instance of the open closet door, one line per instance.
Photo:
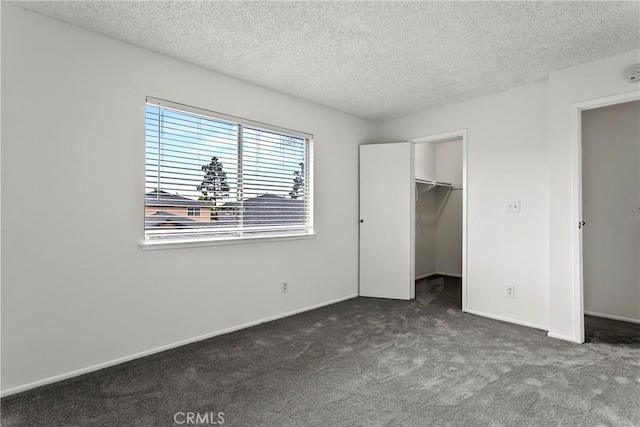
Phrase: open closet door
(387, 221)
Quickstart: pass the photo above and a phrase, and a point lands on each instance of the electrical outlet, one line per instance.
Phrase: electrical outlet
(285, 287)
(513, 206)
(510, 291)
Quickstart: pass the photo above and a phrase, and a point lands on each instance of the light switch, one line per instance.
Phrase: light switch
(513, 206)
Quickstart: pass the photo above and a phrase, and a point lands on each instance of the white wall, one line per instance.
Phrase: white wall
(507, 159)
(77, 291)
(449, 232)
(567, 87)
(0, 182)
(610, 189)
(449, 162)
(425, 158)
(449, 203)
(426, 224)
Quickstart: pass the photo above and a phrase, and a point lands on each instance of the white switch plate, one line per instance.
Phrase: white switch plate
(513, 206)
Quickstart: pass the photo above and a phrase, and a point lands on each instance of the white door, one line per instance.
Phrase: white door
(387, 220)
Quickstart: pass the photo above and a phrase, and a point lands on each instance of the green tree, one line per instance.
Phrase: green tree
(214, 184)
(298, 183)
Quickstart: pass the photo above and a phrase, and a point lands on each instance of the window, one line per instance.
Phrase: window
(209, 176)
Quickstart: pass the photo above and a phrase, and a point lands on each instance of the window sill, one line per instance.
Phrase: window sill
(150, 245)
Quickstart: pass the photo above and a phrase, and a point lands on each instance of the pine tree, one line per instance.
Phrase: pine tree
(214, 185)
(298, 183)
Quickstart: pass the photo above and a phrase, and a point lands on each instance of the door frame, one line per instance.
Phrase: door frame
(577, 290)
(442, 137)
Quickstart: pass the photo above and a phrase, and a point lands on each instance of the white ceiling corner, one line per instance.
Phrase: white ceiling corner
(374, 60)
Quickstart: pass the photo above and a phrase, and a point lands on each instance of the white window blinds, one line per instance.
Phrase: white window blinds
(211, 176)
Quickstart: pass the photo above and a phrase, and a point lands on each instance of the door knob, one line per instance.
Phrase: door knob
(362, 220)
(581, 224)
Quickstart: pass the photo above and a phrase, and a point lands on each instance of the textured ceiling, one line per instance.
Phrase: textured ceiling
(375, 60)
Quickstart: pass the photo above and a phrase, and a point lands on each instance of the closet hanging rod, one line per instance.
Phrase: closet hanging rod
(430, 185)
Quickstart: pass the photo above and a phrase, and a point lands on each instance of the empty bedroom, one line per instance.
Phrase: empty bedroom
(325, 213)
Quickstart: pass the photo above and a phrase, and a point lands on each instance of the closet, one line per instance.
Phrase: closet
(410, 214)
(438, 228)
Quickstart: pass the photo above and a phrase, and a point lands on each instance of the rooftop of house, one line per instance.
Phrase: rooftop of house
(262, 210)
(164, 219)
(164, 198)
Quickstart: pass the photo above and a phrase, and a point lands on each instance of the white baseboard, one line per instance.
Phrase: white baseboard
(424, 276)
(563, 337)
(99, 366)
(507, 319)
(448, 274)
(612, 317)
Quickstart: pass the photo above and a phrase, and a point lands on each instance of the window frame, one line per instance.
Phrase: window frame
(208, 240)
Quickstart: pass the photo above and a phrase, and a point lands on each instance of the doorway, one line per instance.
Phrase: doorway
(610, 219)
(438, 219)
(583, 273)
(441, 216)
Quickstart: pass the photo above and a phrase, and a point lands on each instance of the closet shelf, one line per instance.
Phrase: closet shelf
(426, 185)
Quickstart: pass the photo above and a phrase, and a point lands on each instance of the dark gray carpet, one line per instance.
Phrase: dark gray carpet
(363, 362)
(599, 330)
